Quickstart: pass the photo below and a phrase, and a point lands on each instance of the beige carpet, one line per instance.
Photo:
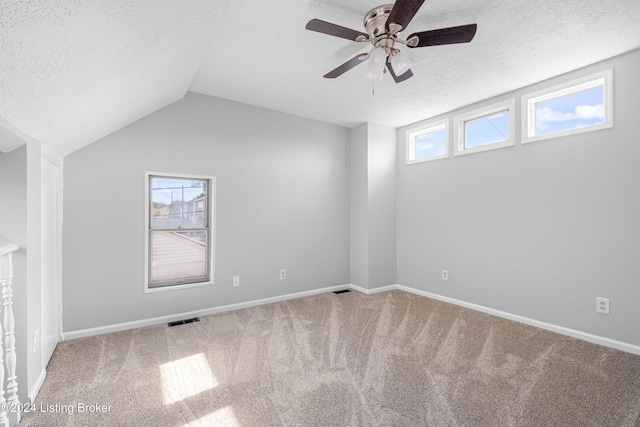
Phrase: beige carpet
(390, 359)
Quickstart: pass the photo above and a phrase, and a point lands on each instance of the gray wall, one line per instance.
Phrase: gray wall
(538, 230)
(13, 227)
(34, 262)
(13, 207)
(282, 202)
(373, 206)
(359, 206)
(20, 223)
(382, 206)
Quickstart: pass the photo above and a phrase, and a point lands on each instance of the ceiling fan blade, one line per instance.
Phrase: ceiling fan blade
(345, 67)
(451, 35)
(334, 30)
(399, 79)
(403, 12)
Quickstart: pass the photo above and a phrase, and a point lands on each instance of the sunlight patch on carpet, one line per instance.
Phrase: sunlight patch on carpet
(186, 377)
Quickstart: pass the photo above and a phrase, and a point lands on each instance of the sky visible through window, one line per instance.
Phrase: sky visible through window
(573, 111)
(178, 203)
(166, 190)
(431, 144)
(486, 130)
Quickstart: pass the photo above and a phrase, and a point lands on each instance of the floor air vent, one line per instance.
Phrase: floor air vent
(342, 291)
(183, 322)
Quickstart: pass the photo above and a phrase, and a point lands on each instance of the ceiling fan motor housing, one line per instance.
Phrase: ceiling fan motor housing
(376, 19)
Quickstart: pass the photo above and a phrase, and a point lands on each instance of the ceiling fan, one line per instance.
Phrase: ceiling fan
(383, 24)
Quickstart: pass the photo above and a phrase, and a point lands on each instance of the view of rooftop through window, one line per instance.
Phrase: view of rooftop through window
(179, 226)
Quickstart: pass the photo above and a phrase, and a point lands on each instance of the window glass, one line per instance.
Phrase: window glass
(486, 130)
(178, 203)
(568, 112)
(179, 235)
(431, 144)
(428, 142)
(178, 255)
(581, 105)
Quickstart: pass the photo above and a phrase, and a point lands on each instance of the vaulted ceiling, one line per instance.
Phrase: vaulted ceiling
(72, 72)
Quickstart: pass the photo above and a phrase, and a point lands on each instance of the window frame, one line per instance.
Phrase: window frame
(461, 119)
(426, 128)
(529, 101)
(210, 227)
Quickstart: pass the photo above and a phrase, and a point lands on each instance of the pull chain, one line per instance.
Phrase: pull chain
(373, 83)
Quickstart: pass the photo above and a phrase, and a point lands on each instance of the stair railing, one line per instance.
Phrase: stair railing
(9, 406)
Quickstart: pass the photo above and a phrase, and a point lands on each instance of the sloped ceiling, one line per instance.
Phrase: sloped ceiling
(72, 72)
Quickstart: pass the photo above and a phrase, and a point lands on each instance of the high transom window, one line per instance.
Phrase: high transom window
(483, 129)
(577, 106)
(428, 142)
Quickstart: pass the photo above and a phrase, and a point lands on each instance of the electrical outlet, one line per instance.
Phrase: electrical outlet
(283, 274)
(602, 305)
(236, 281)
(36, 340)
(445, 275)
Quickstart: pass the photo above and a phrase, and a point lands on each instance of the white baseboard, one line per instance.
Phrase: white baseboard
(33, 393)
(607, 342)
(66, 336)
(374, 290)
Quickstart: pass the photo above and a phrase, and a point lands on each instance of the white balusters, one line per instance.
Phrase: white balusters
(8, 327)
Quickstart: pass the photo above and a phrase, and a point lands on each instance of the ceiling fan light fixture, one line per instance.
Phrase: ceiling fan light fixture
(400, 63)
(375, 74)
(376, 63)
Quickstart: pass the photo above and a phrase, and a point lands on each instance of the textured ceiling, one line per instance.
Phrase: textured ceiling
(270, 60)
(74, 71)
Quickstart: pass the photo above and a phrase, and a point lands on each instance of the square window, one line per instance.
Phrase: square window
(484, 129)
(428, 142)
(574, 107)
(179, 231)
